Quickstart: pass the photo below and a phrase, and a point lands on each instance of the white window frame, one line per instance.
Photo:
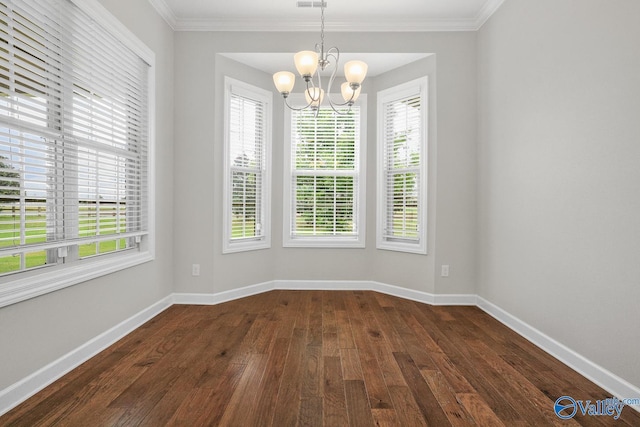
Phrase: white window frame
(23, 285)
(245, 90)
(419, 86)
(358, 241)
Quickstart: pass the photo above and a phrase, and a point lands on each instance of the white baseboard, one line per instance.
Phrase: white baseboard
(617, 386)
(325, 285)
(220, 297)
(456, 299)
(27, 387)
(366, 285)
(424, 297)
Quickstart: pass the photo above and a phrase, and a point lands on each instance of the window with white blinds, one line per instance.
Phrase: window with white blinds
(325, 188)
(247, 156)
(402, 166)
(74, 137)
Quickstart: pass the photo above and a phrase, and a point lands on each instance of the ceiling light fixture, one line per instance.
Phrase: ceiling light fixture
(307, 63)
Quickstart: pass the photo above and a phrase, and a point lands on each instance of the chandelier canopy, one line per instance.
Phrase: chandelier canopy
(310, 63)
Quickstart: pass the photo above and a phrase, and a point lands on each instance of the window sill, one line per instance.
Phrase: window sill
(52, 279)
(319, 242)
(253, 245)
(402, 247)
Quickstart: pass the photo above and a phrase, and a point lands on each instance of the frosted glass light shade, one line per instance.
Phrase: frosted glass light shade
(355, 71)
(347, 92)
(284, 81)
(306, 62)
(313, 97)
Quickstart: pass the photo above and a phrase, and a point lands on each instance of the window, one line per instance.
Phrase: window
(402, 167)
(325, 177)
(247, 158)
(74, 146)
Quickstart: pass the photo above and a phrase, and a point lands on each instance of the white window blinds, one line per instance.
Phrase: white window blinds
(73, 137)
(402, 168)
(325, 175)
(247, 146)
(247, 162)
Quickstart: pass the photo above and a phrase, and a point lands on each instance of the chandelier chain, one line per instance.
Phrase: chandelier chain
(322, 23)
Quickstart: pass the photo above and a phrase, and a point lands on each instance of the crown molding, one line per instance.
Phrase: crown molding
(487, 11)
(186, 24)
(312, 26)
(165, 12)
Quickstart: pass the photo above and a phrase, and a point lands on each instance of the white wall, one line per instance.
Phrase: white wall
(36, 332)
(559, 173)
(198, 215)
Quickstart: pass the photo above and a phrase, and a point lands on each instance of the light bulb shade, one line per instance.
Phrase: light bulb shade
(306, 62)
(284, 81)
(314, 96)
(348, 94)
(355, 71)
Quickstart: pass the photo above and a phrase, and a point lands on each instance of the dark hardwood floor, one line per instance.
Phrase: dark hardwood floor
(314, 358)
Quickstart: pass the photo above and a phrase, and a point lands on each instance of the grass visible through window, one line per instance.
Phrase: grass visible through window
(35, 231)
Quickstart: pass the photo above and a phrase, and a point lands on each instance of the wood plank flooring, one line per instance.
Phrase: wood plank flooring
(316, 358)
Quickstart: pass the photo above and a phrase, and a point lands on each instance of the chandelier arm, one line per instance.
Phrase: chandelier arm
(319, 83)
(316, 89)
(334, 52)
(341, 112)
(295, 108)
(349, 102)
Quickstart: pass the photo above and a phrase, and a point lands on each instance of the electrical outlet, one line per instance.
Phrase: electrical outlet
(444, 271)
(195, 269)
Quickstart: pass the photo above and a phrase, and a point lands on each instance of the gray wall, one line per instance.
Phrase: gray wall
(199, 172)
(536, 154)
(559, 173)
(198, 166)
(40, 330)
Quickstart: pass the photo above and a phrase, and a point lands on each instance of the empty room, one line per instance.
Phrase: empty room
(319, 213)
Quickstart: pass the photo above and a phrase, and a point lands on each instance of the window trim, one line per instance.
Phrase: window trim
(266, 97)
(418, 86)
(24, 285)
(359, 241)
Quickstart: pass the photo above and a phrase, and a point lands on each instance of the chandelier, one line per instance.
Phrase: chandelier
(310, 63)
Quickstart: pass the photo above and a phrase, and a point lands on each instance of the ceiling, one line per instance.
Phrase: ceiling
(340, 15)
